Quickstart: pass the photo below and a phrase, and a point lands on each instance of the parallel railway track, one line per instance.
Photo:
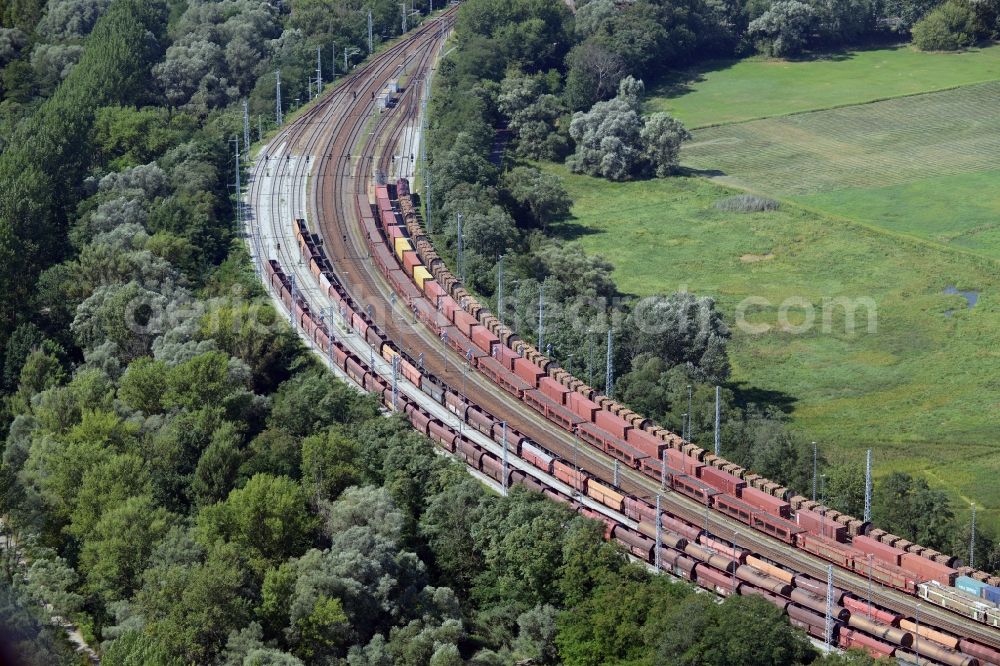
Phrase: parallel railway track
(323, 142)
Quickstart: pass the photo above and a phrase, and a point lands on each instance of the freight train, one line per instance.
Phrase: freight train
(686, 550)
(441, 302)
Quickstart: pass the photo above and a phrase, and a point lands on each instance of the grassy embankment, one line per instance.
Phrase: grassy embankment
(889, 200)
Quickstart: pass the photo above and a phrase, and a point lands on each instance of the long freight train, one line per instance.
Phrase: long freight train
(404, 254)
(686, 550)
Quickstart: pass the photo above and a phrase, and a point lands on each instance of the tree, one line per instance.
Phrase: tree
(218, 467)
(50, 581)
(741, 630)
(446, 524)
(845, 488)
(783, 30)
(590, 16)
(948, 27)
(533, 114)
(108, 484)
(251, 333)
(191, 607)
(310, 402)
(541, 195)
(907, 506)
(607, 141)
(206, 378)
(273, 452)
(143, 385)
(268, 519)
(115, 555)
(682, 329)
(327, 464)
(622, 621)
(661, 139)
(593, 74)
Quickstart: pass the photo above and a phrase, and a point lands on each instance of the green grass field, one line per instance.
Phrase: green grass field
(731, 91)
(922, 165)
(886, 162)
(921, 390)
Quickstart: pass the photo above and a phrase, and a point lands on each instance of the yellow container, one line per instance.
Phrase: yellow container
(402, 245)
(421, 275)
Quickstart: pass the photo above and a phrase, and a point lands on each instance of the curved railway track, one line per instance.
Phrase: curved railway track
(326, 158)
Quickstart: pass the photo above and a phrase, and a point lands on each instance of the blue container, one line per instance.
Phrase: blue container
(970, 585)
(991, 594)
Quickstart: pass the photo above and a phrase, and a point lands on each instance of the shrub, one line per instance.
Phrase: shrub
(746, 203)
(949, 27)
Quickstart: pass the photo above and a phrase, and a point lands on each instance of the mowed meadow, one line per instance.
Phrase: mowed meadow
(886, 164)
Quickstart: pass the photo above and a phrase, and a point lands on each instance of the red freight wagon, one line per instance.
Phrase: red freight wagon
(388, 219)
(749, 590)
(505, 355)
(848, 638)
(493, 468)
(765, 502)
(552, 389)
(881, 551)
(418, 419)
(618, 448)
(527, 371)
(859, 607)
(481, 421)
(442, 434)
(383, 258)
(583, 407)
(736, 553)
(433, 291)
(531, 483)
(382, 191)
(536, 457)
(551, 409)
(690, 532)
(924, 569)
(710, 579)
(721, 481)
(779, 528)
(382, 200)
(678, 564)
(569, 476)
(485, 340)
(460, 343)
(465, 322)
(411, 373)
(645, 442)
(410, 260)
(469, 451)
(637, 544)
(692, 487)
(501, 376)
(449, 306)
(370, 228)
(427, 314)
(677, 461)
(614, 425)
(394, 231)
(828, 549)
(637, 509)
(403, 286)
(816, 523)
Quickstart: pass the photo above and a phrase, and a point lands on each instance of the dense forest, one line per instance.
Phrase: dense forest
(184, 482)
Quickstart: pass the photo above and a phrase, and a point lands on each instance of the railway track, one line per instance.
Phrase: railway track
(326, 158)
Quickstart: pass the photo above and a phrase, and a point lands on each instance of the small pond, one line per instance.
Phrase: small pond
(971, 297)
